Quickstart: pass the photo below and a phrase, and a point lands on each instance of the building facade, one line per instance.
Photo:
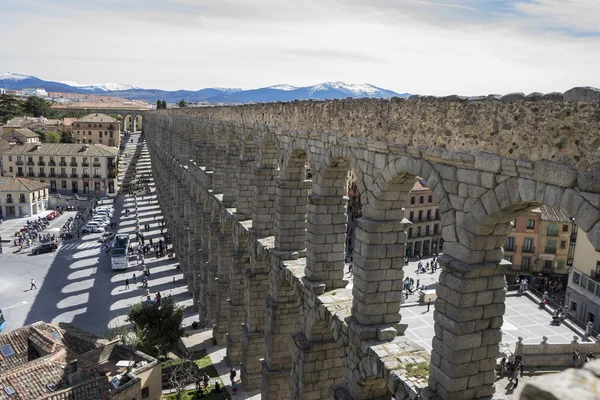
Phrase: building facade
(68, 168)
(425, 235)
(521, 245)
(19, 196)
(554, 238)
(97, 129)
(583, 289)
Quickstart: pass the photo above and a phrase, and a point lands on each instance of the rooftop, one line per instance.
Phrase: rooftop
(97, 118)
(23, 131)
(420, 186)
(17, 122)
(553, 214)
(64, 149)
(14, 184)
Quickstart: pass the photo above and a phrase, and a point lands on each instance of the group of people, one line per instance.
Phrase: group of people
(432, 267)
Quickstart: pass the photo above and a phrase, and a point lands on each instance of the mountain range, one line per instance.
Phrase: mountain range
(283, 92)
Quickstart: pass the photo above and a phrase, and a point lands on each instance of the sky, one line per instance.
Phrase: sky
(437, 47)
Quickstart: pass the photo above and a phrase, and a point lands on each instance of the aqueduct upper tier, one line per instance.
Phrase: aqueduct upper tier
(257, 195)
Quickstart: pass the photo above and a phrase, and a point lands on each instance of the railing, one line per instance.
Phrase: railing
(550, 250)
(19, 162)
(30, 162)
(73, 175)
(62, 175)
(52, 163)
(22, 200)
(97, 164)
(97, 176)
(528, 249)
(41, 163)
(85, 164)
(9, 200)
(52, 175)
(512, 249)
(62, 164)
(20, 174)
(42, 174)
(86, 175)
(73, 163)
(31, 174)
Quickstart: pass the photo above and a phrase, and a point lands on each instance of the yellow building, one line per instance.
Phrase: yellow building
(97, 129)
(424, 236)
(68, 167)
(19, 196)
(555, 233)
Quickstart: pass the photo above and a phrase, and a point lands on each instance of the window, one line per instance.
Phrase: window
(145, 392)
(96, 171)
(560, 264)
(528, 244)
(591, 317)
(565, 228)
(550, 247)
(63, 184)
(7, 351)
(412, 200)
(508, 258)
(9, 158)
(509, 243)
(553, 230)
(100, 134)
(573, 306)
(421, 199)
(412, 216)
(530, 224)
(547, 264)
(10, 169)
(420, 215)
(430, 199)
(526, 263)
(437, 214)
(418, 231)
(563, 244)
(428, 215)
(410, 230)
(436, 229)
(576, 277)
(427, 230)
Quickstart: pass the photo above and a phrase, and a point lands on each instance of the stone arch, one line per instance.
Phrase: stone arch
(269, 152)
(266, 172)
(296, 159)
(245, 161)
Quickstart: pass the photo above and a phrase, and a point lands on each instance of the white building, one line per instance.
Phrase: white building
(34, 92)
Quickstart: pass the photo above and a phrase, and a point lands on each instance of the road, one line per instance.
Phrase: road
(76, 284)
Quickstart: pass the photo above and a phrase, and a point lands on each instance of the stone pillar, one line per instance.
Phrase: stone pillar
(282, 320)
(230, 178)
(244, 189)
(378, 271)
(468, 316)
(265, 188)
(240, 261)
(317, 367)
(326, 242)
(211, 270)
(225, 243)
(253, 335)
(219, 162)
(290, 221)
(203, 291)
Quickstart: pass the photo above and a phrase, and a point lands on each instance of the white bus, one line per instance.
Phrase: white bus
(118, 252)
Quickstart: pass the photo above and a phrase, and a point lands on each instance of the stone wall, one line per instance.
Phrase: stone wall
(284, 248)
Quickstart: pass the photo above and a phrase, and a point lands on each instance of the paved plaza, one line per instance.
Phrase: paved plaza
(76, 284)
(523, 318)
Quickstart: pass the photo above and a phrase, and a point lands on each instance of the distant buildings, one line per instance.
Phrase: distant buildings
(20, 196)
(69, 168)
(425, 235)
(34, 92)
(60, 362)
(97, 129)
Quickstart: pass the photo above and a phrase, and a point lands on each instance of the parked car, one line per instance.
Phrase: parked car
(44, 248)
(106, 236)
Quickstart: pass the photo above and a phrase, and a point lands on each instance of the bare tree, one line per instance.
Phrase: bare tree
(182, 374)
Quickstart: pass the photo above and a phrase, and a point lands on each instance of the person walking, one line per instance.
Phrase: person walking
(515, 376)
(126, 283)
(574, 356)
(232, 374)
(134, 278)
(428, 305)
(32, 284)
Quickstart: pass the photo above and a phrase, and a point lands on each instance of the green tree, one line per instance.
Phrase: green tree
(158, 329)
(52, 137)
(164, 104)
(42, 135)
(158, 104)
(182, 103)
(36, 106)
(67, 137)
(10, 107)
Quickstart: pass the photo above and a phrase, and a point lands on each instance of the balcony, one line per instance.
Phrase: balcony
(41, 163)
(86, 176)
(73, 164)
(528, 249)
(512, 249)
(20, 174)
(52, 163)
(552, 233)
(62, 164)
(97, 164)
(22, 200)
(73, 175)
(550, 250)
(97, 176)
(9, 200)
(53, 175)
(62, 175)
(31, 174)
(19, 162)
(42, 175)
(30, 162)
(85, 164)
(595, 276)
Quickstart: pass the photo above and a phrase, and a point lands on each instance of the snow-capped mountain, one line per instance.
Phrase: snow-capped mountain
(100, 86)
(280, 92)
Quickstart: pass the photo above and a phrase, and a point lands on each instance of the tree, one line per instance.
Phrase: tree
(164, 104)
(158, 328)
(52, 137)
(182, 103)
(36, 106)
(67, 137)
(10, 107)
(42, 135)
(181, 374)
(158, 104)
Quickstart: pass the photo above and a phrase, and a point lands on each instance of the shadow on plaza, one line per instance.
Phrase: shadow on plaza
(81, 288)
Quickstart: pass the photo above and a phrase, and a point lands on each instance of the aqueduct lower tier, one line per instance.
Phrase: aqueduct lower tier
(264, 259)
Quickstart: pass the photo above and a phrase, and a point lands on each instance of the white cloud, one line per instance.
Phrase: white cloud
(418, 46)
